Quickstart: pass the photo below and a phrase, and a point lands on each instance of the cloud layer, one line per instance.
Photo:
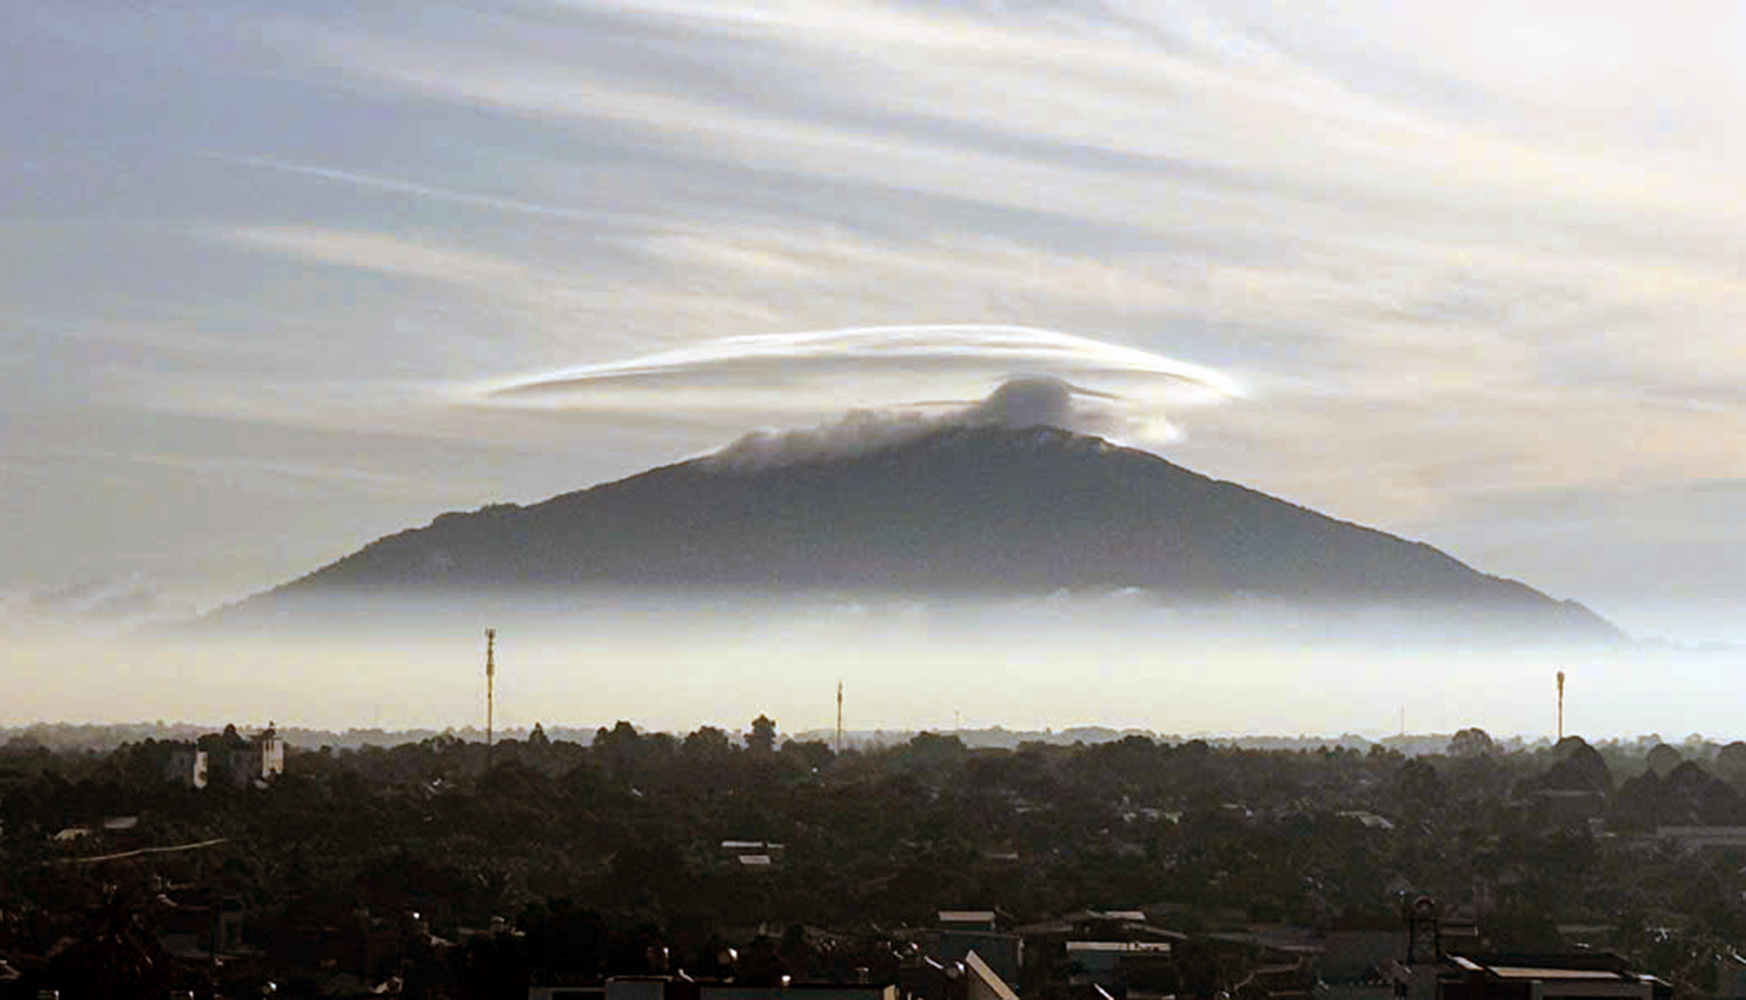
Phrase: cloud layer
(1016, 404)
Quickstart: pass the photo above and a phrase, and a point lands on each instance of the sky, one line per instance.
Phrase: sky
(279, 279)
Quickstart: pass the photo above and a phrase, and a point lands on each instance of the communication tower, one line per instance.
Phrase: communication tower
(1561, 704)
(490, 688)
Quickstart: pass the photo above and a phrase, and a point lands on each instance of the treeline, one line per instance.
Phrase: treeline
(1624, 755)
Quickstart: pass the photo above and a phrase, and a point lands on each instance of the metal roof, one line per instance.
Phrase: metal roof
(1528, 972)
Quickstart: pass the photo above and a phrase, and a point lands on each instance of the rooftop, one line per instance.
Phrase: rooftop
(1520, 972)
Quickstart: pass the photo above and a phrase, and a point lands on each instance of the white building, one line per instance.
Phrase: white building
(188, 767)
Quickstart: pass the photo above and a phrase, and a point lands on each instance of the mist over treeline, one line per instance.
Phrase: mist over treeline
(1624, 755)
(1114, 662)
(1126, 659)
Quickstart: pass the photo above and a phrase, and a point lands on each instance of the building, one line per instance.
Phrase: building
(187, 766)
(258, 761)
(1114, 949)
(1355, 948)
(685, 988)
(792, 991)
(982, 982)
(1116, 965)
(754, 855)
(962, 933)
(202, 926)
(266, 755)
(971, 979)
(974, 920)
(1572, 976)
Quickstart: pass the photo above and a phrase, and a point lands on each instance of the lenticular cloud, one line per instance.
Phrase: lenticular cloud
(891, 381)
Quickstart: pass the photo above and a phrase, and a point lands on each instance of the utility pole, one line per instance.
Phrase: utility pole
(839, 718)
(490, 688)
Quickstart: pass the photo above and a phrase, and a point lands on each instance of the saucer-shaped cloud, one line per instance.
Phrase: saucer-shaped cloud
(935, 370)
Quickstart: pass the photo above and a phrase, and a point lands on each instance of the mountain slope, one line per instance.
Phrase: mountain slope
(966, 510)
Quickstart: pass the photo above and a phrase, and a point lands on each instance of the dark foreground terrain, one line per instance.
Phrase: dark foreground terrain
(418, 868)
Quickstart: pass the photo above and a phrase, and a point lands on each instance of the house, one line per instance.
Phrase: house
(982, 982)
(973, 920)
(741, 847)
(1093, 946)
(1575, 975)
(754, 855)
(1583, 975)
(965, 932)
(1113, 965)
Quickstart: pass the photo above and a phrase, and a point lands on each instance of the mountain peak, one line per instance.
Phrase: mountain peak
(967, 509)
(1018, 404)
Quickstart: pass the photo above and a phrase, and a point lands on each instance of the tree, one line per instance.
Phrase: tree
(538, 738)
(617, 748)
(812, 755)
(707, 743)
(1472, 742)
(762, 738)
(1418, 787)
(1731, 762)
(1580, 768)
(647, 867)
(1662, 759)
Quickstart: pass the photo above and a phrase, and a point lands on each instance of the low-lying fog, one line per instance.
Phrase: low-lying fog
(1123, 659)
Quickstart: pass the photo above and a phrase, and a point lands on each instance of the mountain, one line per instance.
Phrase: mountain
(966, 510)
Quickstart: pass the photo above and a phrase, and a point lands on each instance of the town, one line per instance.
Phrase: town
(732, 866)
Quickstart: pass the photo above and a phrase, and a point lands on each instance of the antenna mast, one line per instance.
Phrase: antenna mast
(1560, 704)
(839, 717)
(490, 688)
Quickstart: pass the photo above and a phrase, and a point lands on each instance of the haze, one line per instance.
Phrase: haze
(278, 280)
(673, 661)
